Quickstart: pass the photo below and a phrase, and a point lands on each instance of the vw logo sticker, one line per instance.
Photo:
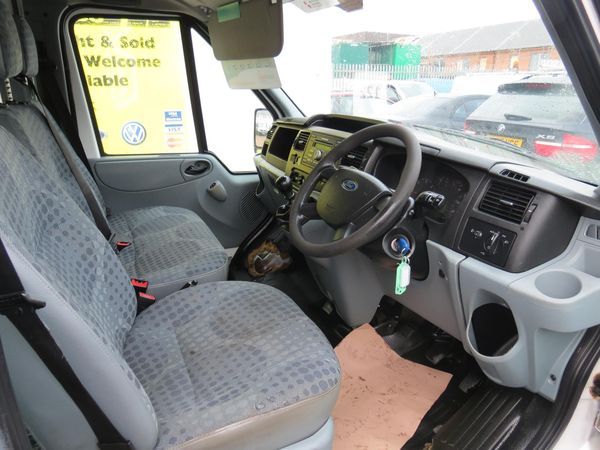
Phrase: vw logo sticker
(501, 128)
(133, 133)
(349, 185)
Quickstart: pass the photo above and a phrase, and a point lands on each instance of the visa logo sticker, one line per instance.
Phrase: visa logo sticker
(173, 128)
(173, 116)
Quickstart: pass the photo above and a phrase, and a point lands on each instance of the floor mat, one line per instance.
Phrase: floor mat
(383, 396)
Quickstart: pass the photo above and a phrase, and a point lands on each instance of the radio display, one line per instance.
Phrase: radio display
(322, 146)
(316, 152)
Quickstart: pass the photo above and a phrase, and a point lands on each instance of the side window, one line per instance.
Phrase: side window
(228, 114)
(465, 109)
(137, 83)
(461, 112)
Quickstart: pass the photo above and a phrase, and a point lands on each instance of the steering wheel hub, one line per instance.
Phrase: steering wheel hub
(347, 195)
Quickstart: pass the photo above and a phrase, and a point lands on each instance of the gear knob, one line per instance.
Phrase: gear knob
(283, 184)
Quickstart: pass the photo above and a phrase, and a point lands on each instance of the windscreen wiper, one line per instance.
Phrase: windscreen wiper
(509, 116)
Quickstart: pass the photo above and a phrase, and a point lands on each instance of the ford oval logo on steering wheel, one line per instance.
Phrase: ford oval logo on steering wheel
(349, 185)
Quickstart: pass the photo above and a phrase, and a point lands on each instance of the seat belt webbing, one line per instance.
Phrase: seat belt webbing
(21, 311)
(95, 207)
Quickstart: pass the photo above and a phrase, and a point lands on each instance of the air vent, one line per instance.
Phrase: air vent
(514, 175)
(271, 132)
(301, 140)
(593, 231)
(506, 201)
(355, 158)
(265, 149)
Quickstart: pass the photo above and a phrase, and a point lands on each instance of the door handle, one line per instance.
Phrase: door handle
(198, 168)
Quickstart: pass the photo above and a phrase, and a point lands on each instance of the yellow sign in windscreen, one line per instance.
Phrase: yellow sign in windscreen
(136, 75)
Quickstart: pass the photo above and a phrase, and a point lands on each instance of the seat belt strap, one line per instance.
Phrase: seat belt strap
(91, 200)
(12, 426)
(21, 311)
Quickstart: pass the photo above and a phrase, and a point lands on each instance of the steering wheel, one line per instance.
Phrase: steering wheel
(358, 206)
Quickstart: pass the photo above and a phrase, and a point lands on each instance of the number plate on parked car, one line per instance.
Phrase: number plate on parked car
(517, 142)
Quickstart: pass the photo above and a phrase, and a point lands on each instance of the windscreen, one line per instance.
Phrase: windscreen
(391, 59)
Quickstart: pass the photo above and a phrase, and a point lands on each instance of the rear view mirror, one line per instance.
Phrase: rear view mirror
(263, 121)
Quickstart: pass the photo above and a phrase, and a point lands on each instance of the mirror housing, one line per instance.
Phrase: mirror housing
(263, 121)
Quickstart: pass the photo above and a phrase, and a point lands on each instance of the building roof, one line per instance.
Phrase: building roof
(372, 37)
(505, 36)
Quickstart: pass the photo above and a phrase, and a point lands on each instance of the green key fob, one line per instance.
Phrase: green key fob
(402, 276)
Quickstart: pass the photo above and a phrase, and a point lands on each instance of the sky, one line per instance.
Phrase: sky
(305, 62)
(416, 16)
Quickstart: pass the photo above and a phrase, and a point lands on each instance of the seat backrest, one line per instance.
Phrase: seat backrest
(28, 124)
(63, 260)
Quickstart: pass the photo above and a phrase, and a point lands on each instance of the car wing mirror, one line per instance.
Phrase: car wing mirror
(263, 121)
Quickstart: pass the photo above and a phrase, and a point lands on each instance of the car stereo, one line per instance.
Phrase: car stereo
(315, 152)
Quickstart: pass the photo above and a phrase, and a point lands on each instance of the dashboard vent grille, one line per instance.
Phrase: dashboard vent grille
(271, 132)
(301, 140)
(593, 231)
(506, 201)
(355, 158)
(514, 175)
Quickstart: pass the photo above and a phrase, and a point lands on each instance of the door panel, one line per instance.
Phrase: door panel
(231, 213)
(139, 174)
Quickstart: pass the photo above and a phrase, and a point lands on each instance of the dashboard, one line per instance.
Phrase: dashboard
(505, 255)
(498, 219)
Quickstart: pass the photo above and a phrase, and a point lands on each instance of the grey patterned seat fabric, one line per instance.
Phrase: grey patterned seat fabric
(220, 365)
(175, 250)
(171, 247)
(229, 352)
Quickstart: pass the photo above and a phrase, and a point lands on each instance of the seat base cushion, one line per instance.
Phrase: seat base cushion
(230, 363)
(170, 247)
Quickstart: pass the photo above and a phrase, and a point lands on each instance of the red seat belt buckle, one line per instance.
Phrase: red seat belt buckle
(144, 301)
(146, 297)
(122, 244)
(139, 285)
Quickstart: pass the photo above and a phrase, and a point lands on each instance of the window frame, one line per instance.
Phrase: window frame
(186, 42)
(277, 102)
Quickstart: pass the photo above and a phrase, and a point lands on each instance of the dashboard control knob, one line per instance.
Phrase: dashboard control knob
(319, 154)
(490, 245)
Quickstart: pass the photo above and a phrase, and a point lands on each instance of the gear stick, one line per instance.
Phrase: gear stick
(283, 185)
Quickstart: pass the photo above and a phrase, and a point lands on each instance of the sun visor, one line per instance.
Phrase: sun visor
(251, 29)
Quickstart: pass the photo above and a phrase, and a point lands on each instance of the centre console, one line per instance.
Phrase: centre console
(515, 227)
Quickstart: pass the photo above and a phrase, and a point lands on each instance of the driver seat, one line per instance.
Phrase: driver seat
(221, 365)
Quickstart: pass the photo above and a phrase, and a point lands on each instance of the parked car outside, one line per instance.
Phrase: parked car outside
(376, 98)
(404, 89)
(484, 82)
(441, 111)
(540, 114)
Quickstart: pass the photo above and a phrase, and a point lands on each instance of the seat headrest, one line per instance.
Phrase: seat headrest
(11, 53)
(28, 47)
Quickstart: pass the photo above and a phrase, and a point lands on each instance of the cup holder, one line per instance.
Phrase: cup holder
(558, 284)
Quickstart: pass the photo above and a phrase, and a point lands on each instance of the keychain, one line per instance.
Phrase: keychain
(402, 275)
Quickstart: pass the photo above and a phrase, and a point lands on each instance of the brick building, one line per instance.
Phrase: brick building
(523, 46)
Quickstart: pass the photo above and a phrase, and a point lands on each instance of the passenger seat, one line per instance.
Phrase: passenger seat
(170, 247)
(227, 365)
